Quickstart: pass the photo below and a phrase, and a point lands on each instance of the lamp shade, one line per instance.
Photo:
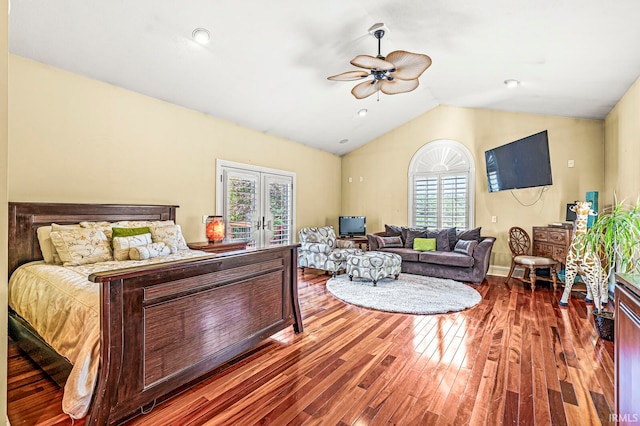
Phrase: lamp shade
(215, 229)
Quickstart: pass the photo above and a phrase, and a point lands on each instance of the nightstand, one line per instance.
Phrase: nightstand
(222, 247)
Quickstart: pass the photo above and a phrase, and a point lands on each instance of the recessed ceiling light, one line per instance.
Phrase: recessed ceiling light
(363, 112)
(511, 83)
(344, 141)
(201, 35)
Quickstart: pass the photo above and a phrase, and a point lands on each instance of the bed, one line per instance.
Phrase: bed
(165, 326)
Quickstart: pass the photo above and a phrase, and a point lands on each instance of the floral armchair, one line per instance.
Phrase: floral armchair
(320, 249)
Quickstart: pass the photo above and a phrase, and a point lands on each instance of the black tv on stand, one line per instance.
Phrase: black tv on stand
(352, 226)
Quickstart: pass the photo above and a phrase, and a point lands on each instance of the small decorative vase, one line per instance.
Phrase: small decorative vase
(215, 229)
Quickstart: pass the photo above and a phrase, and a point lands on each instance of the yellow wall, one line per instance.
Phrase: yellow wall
(4, 143)
(622, 143)
(383, 164)
(73, 139)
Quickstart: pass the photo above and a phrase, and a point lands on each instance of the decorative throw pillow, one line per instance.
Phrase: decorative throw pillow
(424, 244)
(103, 226)
(465, 247)
(451, 234)
(412, 234)
(470, 234)
(149, 251)
(47, 235)
(170, 235)
(130, 232)
(394, 241)
(442, 238)
(122, 245)
(81, 246)
(392, 231)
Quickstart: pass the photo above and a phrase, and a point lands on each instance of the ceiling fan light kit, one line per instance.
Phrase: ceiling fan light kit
(398, 72)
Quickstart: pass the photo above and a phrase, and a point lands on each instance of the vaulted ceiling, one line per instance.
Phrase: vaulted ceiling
(267, 63)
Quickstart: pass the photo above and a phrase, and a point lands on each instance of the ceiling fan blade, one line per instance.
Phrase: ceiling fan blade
(408, 65)
(366, 88)
(366, 61)
(394, 87)
(349, 76)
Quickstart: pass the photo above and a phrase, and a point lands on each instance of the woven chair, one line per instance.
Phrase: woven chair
(519, 244)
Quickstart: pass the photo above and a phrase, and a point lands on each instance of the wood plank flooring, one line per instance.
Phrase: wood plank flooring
(516, 358)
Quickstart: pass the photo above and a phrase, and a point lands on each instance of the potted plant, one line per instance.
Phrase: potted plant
(615, 236)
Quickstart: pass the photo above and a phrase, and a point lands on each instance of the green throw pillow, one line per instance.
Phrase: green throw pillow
(130, 232)
(424, 244)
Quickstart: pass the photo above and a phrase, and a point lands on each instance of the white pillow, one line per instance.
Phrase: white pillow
(81, 246)
(170, 235)
(46, 246)
(149, 251)
(122, 245)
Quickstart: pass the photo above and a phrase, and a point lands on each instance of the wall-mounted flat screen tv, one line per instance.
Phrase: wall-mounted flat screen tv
(524, 163)
(352, 226)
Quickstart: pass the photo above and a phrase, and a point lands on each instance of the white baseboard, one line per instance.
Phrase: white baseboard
(503, 271)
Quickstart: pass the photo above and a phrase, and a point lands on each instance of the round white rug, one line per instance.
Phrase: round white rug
(410, 294)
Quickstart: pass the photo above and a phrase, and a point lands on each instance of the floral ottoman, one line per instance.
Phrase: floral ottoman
(373, 265)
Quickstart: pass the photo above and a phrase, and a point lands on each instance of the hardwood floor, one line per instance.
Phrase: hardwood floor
(516, 358)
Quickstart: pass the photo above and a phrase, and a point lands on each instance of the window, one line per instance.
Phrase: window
(441, 182)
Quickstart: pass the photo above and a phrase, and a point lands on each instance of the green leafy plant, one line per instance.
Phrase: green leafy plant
(615, 237)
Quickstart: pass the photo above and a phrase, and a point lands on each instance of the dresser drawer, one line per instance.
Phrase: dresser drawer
(540, 234)
(559, 237)
(559, 253)
(542, 249)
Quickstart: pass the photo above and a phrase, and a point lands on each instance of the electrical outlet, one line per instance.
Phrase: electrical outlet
(494, 219)
(570, 163)
(361, 179)
(204, 218)
(350, 179)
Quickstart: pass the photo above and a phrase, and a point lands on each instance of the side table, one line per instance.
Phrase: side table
(361, 242)
(222, 247)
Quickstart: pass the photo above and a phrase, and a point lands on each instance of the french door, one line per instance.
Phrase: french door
(257, 203)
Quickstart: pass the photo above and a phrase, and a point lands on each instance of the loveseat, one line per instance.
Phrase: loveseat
(458, 255)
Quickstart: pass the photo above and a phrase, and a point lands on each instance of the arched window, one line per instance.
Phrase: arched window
(441, 186)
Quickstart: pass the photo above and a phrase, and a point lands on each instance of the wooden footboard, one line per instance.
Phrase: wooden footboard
(166, 326)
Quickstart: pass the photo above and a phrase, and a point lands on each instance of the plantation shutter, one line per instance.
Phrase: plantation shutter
(441, 201)
(454, 202)
(241, 205)
(279, 214)
(426, 202)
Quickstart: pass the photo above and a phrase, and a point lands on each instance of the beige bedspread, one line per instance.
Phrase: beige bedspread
(64, 308)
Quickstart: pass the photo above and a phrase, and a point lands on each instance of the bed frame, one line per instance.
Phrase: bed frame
(164, 327)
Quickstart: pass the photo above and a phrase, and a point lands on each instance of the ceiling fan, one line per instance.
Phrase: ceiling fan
(398, 72)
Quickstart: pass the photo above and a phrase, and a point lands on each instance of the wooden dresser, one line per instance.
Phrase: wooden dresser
(627, 342)
(552, 241)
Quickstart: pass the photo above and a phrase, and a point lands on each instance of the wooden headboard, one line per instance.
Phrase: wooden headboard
(26, 218)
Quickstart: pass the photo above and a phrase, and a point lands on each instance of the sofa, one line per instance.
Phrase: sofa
(458, 255)
(320, 249)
